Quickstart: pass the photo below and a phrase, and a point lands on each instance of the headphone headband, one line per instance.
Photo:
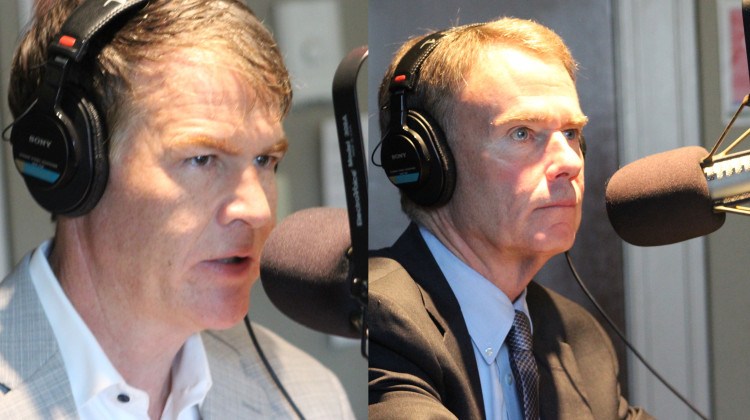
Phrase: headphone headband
(407, 70)
(406, 73)
(86, 23)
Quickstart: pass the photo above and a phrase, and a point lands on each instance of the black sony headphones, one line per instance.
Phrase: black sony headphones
(414, 152)
(60, 142)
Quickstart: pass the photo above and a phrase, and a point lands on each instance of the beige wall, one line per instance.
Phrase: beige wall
(299, 177)
(729, 288)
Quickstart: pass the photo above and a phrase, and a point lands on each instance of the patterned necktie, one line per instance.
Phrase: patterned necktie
(523, 365)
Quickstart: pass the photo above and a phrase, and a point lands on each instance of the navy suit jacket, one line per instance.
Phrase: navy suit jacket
(422, 365)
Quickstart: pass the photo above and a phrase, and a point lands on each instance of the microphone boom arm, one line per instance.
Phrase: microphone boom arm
(711, 165)
(354, 166)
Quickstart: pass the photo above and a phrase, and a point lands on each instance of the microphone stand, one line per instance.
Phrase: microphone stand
(732, 204)
(354, 166)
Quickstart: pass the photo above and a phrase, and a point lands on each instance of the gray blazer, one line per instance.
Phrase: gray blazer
(34, 383)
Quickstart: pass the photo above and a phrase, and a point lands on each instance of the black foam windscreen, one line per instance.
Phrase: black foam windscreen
(662, 199)
(305, 271)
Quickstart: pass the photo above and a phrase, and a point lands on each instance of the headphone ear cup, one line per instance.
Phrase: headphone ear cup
(441, 182)
(418, 161)
(62, 155)
(582, 142)
(94, 158)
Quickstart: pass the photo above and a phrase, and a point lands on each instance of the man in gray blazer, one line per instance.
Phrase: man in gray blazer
(151, 131)
(482, 135)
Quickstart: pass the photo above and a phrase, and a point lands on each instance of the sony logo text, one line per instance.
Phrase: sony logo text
(39, 141)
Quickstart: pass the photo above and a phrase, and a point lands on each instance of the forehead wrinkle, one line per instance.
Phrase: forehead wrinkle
(204, 112)
(182, 80)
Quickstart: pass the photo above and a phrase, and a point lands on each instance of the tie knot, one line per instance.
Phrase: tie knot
(519, 337)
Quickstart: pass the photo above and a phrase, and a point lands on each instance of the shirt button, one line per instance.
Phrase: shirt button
(489, 352)
(509, 379)
(123, 398)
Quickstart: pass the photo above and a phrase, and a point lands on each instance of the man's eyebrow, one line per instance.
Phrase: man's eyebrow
(223, 144)
(281, 146)
(204, 141)
(526, 118)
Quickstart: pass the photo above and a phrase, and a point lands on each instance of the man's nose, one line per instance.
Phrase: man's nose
(251, 201)
(566, 157)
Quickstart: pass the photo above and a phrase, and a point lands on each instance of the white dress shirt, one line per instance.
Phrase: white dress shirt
(489, 314)
(99, 391)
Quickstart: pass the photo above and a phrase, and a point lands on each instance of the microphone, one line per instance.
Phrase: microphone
(669, 197)
(314, 264)
(305, 271)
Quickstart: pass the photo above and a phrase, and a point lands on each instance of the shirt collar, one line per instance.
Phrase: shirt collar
(487, 310)
(90, 372)
(191, 379)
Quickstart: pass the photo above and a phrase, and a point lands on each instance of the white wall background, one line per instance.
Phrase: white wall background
(665, 286)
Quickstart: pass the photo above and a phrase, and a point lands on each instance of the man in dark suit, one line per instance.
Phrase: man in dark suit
(482, 134)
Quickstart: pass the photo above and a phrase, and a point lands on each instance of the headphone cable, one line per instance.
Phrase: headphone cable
(627, 343)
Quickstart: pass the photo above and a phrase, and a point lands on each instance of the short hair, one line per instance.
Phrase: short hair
(443, 73)
(226, 29)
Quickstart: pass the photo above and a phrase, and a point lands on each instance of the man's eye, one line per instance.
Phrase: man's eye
(572, 134)
(265, 161)
(520, 134)
(201, 160)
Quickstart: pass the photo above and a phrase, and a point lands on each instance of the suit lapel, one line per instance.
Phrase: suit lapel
(32, 368)
(44, 395)
(562, 395)
(413, 254)
(246, 397)
(230, 399)
(226, 400)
